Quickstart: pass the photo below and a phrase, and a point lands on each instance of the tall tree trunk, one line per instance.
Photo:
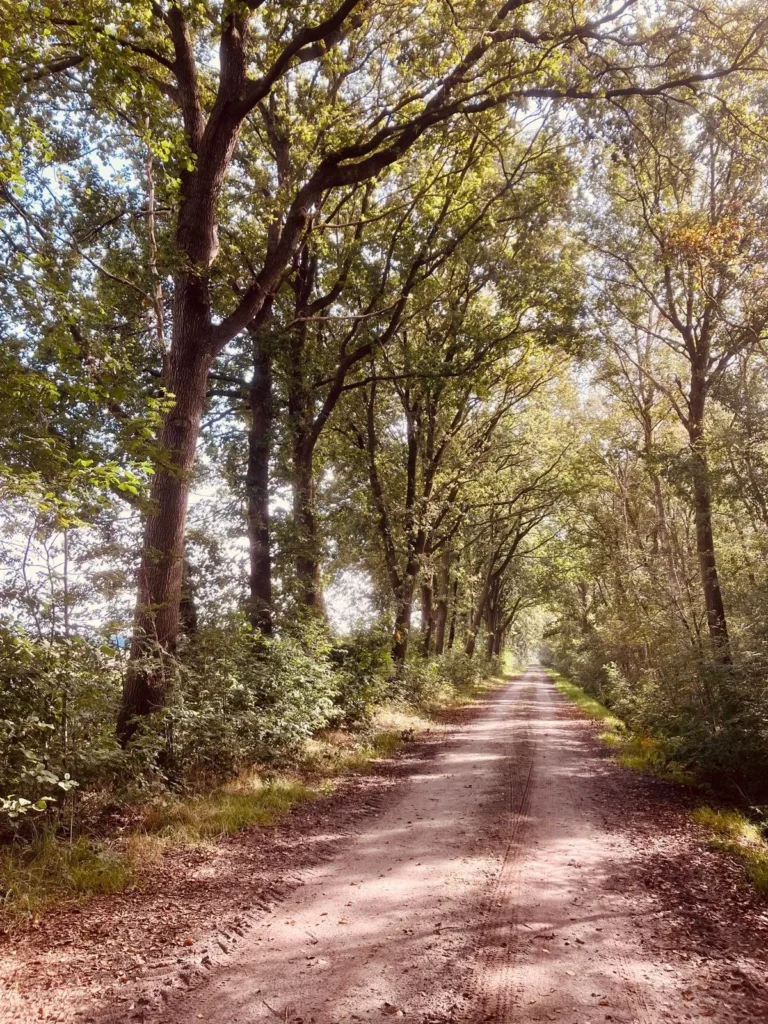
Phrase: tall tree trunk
(427, 619)
(493, 617)
(473, 625)
(489, 641)
(156, 622)
(441, 612)
(402, 628)
(260, 609)
(713, 595)
(475, 617)
(498, 642)
(454, 611)
(702, 506)
(441, 621)
(308, 572)
(301, 414)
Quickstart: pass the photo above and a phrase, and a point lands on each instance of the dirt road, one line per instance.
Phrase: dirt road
(496, 886)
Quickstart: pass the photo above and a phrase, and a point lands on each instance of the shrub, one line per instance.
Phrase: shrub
(244, 699)
(363, 675)
(709, 721)
(58, 703)
(444, 680)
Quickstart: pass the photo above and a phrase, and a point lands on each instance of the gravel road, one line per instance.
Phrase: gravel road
(495, 886)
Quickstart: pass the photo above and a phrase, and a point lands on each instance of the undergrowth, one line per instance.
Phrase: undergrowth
(732, 831)
(51, 870)
(633, 750)
(588, 705)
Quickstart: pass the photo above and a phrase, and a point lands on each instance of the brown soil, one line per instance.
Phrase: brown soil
(519, 875)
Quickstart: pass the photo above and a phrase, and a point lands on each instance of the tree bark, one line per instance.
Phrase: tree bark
(308, 570)
(713, 596)
(498, 643)
(489, 641)
(702, 506)
(427, 619)
(260, 608)
(301, 416)
(493, 617)
(441, 613)
(402, 627)
(156, 622)
(452, 630)
(441, 621)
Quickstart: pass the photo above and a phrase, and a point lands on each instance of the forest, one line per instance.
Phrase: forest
(354, 349)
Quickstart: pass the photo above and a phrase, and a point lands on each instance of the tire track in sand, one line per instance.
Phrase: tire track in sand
(485, 891)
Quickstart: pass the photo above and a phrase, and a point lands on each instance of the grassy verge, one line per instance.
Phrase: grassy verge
(735, 834)
(588, 705)
(51, 871)
(731, 831)
(633, 750)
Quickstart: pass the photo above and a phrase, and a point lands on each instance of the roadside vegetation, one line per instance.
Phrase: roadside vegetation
(47, 866)
(736, 834)
(731, 829)
(633, 750)
(345, 347)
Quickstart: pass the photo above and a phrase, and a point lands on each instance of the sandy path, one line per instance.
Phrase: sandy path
(487, 891)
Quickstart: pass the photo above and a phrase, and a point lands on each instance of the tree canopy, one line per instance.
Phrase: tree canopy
(350, 345)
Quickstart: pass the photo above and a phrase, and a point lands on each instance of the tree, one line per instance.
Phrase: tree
(152, 60)
(686, 271)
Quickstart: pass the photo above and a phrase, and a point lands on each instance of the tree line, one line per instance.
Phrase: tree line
(435, 300)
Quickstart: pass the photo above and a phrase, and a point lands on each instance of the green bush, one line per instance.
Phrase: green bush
(242, 699)
(58, 702)
(364, 671)
(709, 721)
(444, 680)
(237, 700)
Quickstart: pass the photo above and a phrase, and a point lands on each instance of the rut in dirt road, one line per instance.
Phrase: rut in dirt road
(487, 891)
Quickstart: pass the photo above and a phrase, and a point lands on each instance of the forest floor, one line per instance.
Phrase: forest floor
(512, 873)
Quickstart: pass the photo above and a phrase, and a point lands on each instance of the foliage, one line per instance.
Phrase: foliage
(490, 345)
(242, 700)
(657, 591)
(739, 836)
(54, 703)
(588, 705)
(363, 672)
(635, 750)
(54, 870)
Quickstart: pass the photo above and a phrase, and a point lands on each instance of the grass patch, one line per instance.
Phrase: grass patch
(739, 836)
(248, 801)
(588, 705)
(334, 752)
(52, 871)
(633, 750)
